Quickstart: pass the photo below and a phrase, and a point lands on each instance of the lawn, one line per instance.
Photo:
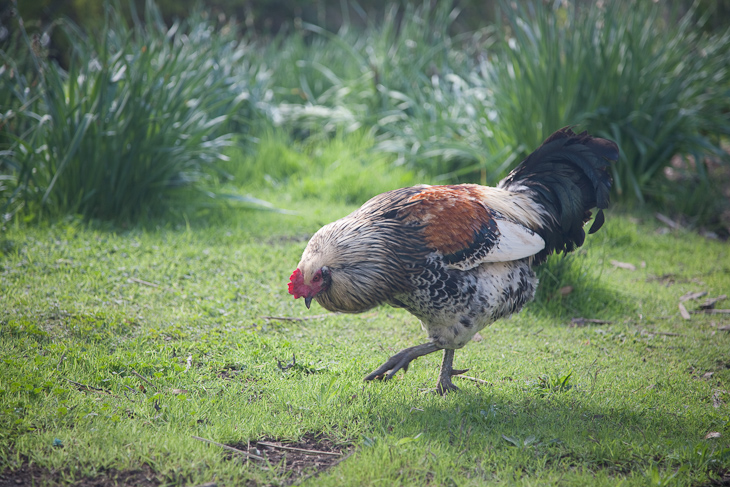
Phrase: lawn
(157, 192)
(119, 348)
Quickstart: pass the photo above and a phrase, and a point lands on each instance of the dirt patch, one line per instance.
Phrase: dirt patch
(305, 458)
(31, 474)
(27, 474)
(723, 480)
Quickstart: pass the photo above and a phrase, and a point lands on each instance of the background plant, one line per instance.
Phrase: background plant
(141, 114)
(466, 107)
(447, 104)
(647, 78)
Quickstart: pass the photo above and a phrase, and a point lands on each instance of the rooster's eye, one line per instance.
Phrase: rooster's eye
(316, 278)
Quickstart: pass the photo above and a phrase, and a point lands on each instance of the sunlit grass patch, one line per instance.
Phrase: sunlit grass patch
(629, 397)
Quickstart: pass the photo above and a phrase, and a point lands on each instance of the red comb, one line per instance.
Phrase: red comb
(295, 284)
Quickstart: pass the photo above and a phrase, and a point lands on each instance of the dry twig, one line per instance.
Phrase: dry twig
(230, 448)
(86, 388)
(691, 295)
(143, 378)
(294, 318)
(63, 356)
(667, 221)
(144, 283)
(312, 452)
(716, 311)
(583, 321)
(473, 379)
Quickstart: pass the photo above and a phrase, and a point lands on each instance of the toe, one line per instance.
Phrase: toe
(444, 388)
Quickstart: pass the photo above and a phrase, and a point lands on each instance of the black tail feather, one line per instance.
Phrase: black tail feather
(568, 175)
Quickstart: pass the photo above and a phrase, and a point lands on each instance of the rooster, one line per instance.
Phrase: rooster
(459, 257)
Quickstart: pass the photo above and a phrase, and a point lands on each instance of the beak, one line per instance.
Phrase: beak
(307, 302)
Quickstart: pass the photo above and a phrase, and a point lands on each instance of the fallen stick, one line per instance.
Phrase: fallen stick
(294, 318)
(86, 388)
(583, 321)
(144, 283)
(667, 221)
(314, 452)
(230, 448)
(473, 378)
(692, 295)
(143, 378)
(63, 356)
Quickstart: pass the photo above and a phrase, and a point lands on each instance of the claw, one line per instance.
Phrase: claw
(459, 372)
(444, 384)
(400, 360)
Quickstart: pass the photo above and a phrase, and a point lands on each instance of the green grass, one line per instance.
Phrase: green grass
(628, 401)
(343, 168)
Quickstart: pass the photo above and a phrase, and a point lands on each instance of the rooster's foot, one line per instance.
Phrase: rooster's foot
(444, 383)
(401, 360)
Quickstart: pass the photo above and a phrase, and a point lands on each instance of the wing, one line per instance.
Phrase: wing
(457, 223)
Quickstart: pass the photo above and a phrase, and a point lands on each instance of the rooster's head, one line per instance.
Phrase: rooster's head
(301, 287)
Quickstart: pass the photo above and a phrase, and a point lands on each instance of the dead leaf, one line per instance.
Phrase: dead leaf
(623, 265)
(712, 434)
(725, 328)
(707, 375)
(710, 302)
(179, 391)
(683, 311)
(564, 291)
(477, 337)
(691, 295)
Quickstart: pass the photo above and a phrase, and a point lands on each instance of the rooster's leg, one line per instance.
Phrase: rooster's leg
(401, 360)
(447, 371)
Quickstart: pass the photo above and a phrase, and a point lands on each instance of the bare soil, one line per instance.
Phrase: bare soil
(30, 474)
(295, 464)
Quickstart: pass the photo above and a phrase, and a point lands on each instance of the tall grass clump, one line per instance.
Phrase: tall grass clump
(139, 117)
(405, 77)
(633, 71)
(469, 106)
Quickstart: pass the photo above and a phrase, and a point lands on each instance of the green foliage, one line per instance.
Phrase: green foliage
(139, 117)
(469, 107)
(122, 134)
(630, 71)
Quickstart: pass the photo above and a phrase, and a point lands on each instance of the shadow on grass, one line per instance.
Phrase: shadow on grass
(570, 287)
(490, 435)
